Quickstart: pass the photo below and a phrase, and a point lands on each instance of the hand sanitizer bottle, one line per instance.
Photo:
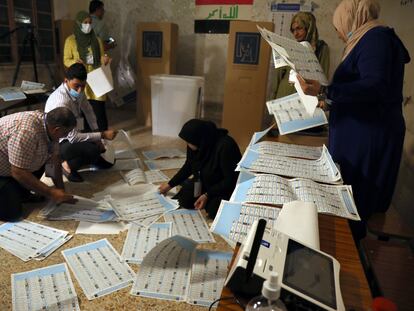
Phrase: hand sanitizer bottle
(269, 300)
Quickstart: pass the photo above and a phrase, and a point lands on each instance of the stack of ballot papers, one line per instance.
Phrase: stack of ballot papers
(28, 240)
(48, 288)
(321, 170)
(98, 268)
(83, 210)
(335, 200)
(30, 87)
(287, 150)
(137, 176)
(163, 153)
(176, 270)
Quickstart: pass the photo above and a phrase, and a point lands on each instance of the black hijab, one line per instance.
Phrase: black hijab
(204, 135)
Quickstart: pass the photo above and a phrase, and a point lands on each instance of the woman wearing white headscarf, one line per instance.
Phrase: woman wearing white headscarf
(366, 124)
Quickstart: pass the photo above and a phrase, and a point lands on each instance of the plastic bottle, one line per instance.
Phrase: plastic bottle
(269, 300)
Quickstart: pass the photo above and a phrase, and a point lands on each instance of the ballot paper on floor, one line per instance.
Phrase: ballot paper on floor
(165, 270)
(299, 56)
(123, 146)
(147, 177)
(48, 288)
(100, 80)
(84, 209)
(98, 268)
(287, 150)
(299, 220)
(28, 240)
(137, 207)
(322, 170)
(85, 227)
(292, 116)
(121, 190)
(234, 219)
(120, 165)
(166, 164)
(163, 153)
(334, 200)
(208, 273)
(147, 221)
(190, 224)
(140, 241)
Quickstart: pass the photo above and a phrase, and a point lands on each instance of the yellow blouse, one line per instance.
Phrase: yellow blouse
(71, 56)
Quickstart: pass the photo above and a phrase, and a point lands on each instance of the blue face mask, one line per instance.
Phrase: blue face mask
(74, 94)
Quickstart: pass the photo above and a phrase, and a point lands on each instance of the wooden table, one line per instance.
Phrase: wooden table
(336, 240)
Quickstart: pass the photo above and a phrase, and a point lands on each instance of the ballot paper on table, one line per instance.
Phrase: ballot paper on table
(30, 87)
(140, 241)
(84, 209)
(259, 135)
(190, 224)
(11, 93)
(165, 270)
(147, 177)
(322, 170)
(292, 115)
(100, 80)
(98, 268)
(299, 220)
(165, 164)
(86, 227)
(334, 200)
(208, 274)
(48, 288)
(142, 206)
(163, 153)
(234, 219)
(298, 55)
(287, 150)
(28, 240)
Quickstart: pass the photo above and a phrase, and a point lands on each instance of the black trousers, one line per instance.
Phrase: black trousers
(12, 196)
(79, 154)
(99, 108)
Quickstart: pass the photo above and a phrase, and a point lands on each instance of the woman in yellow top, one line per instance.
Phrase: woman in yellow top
(86, 48)
(303, 28)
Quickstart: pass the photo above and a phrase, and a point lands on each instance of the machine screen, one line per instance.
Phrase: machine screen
(310, 273)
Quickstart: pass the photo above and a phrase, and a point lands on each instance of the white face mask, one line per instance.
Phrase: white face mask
(86, 28)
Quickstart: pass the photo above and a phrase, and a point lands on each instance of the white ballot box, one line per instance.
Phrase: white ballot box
(174, 100)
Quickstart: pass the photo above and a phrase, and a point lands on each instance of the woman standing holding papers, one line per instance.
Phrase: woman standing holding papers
(366, 124)
(86, 48)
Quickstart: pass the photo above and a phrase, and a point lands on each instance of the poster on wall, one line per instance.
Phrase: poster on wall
(282, 13)
(214, 16)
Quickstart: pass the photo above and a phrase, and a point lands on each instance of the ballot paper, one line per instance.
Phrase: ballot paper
(271, 189)
(292, 116)
(123, 146)
(140, 241)
(208, 273)
(309, 102)
(298, 56)
(30, 87)
(84, 209)
(164, 153)
(142, 206)
(48, 288)
(11, 93)
(234, 219)
(147, 221)
(259, 135)
(98, 268)
(322, 170)
(147, 177)
(100, 80)
(28, 240)
(85, 227)
(190, 224)
(166, 164)
(121, 190)
(287, 150)
(165, 270)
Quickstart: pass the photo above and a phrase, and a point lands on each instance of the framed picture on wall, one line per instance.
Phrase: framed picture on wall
(247, 48)
(152, 44)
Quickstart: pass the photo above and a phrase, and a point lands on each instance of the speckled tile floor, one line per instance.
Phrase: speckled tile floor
(123, 117)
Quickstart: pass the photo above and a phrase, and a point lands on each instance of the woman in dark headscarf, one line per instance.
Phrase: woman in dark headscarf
(86, 48)
(303, 28)
(212, 156)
